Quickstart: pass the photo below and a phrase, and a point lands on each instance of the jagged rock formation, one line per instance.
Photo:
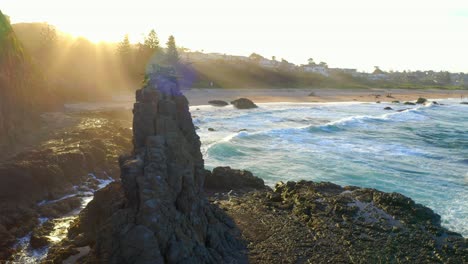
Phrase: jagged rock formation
(22, 89)
(163, 216)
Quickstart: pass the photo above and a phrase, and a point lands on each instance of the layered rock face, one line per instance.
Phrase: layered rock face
(164, 216)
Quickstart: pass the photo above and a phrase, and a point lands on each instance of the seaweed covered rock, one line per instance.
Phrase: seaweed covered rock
(243, 103)
(161, 214)
(421, 100)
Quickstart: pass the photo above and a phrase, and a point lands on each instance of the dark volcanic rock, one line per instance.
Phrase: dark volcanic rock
(388, 108)
(243, 103)
(401, 110)
(421, 100)
(39, 235)
(409, 103)
(218, 103)
(52, 170)
(163, 215)
(226, 179)
(308, 222)
(464, 103)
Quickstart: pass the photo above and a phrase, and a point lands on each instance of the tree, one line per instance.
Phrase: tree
(124, 48)
(172, 55)
(152, 41)
(323, 64)
(311, 61)
(255, 57)
(48, 38)
(377, 70)
(273, 58)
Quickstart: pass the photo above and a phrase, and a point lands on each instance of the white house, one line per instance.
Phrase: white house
(316, 69)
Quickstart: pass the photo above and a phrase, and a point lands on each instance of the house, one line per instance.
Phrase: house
(316, 69)
(266, 63)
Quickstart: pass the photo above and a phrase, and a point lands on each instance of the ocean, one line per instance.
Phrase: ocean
(421, 152)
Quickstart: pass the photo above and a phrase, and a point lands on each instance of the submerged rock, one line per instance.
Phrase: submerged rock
(218, 103)
(244, 103)
(388, 108)
(409, 103)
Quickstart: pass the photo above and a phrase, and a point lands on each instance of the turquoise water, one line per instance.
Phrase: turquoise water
(421, 152)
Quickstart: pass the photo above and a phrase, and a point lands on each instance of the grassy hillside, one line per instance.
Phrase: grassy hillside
(244, 74)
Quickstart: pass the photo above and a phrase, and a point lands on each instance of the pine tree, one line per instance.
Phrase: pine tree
(172, 55)
(152, 41)
(124, 49)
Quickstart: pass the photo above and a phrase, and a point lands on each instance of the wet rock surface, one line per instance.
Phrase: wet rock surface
(243, 103)
(421, 100)
(36, 183)
(308, 222)
(218, 103)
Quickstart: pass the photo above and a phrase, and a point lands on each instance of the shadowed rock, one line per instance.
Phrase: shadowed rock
(218, 103)
(162, 215)
(226, 179)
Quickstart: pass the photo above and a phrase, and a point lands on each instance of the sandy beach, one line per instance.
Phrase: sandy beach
(202, 96)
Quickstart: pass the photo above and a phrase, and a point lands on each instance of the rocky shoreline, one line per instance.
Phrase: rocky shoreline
(45, 183)
(167, 208)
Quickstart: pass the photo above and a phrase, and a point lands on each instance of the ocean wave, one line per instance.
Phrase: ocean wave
(367, 122)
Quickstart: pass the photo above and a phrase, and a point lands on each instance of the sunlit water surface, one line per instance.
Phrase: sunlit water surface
(26, 254)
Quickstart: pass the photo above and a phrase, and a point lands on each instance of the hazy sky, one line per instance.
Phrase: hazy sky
(394, 34)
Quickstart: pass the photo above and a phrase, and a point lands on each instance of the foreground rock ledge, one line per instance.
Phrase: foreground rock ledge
(309, 222)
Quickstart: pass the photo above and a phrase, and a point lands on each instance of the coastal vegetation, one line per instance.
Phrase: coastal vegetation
(77, 69)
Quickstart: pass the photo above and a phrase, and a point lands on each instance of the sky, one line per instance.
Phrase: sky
(395, 35)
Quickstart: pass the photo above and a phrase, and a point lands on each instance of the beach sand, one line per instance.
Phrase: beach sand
(202, 96)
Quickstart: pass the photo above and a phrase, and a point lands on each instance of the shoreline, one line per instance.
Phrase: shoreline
(200, 96)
